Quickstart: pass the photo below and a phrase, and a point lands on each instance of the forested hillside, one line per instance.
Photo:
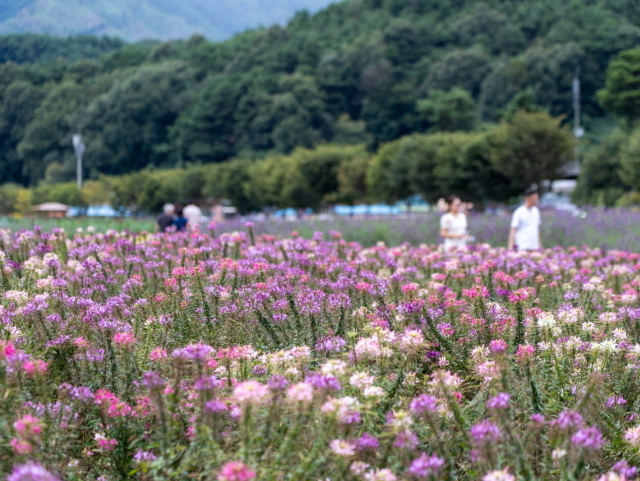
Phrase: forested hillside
(362, 71)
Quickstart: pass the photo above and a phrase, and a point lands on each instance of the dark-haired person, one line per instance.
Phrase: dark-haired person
(525, 224)
(180, 221)
(453, 226)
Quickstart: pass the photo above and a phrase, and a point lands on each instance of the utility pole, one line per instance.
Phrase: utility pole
(78, 147)
(578, 131)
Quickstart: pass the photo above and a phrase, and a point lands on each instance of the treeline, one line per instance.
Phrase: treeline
(495, 164)
(610, 173)
(361, 72)
(33, 48)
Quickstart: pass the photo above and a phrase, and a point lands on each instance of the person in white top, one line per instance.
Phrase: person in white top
(525, 224)
(453, 226)
(193, 215)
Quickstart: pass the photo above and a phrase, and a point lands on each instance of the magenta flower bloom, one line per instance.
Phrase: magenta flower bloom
(215, 406)
(250, 393)
(568, 419)
(207, 383)
(423, 404)
(142, 456)
(152, 381)
(236, 471)
(589, 438)
(485, 432)
(321, 381)
(28, 426)
(331, 344)
(367, 441)
(406, 440)
(501, 401)
(193, 352)
(624, 469)
(277, 383)
(31, 472)
(537, 418)
(124, 339)
(615, 401)
(498, 346)
(426, 466)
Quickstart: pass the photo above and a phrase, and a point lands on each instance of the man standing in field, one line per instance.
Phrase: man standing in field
(525, 224)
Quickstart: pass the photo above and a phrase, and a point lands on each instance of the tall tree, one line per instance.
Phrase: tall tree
(601, 178)
(20, 100)
(630, 161)
(530, 148)
(621, 94)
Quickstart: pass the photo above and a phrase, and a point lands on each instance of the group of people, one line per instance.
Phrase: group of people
(524, 234)
(175, 218)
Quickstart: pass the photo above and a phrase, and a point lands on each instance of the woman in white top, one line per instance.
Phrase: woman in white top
(453, 226)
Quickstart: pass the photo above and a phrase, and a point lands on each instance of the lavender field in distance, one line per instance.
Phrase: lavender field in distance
(617, 229)
(604, 228)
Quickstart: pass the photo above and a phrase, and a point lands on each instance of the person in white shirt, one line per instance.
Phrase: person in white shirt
(453, 226)
(193, 215)
(525, 224)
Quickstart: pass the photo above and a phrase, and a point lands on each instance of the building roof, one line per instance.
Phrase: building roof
(51, 207)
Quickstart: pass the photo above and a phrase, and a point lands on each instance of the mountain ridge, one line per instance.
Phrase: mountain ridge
(134, 20)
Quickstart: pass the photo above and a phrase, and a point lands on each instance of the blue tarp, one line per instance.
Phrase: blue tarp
(377, 209)
(97, 211)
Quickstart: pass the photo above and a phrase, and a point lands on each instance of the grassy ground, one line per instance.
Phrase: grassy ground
(70, 225)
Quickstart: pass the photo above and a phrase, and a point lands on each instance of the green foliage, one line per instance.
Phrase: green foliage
(67, 194)
(530, 148)
(449, 111)
(127, 128)
(30, 48)
(47, 138)
(630, 199)
(9, 198)
(435, 166)
(360, 72)
(19, 105)
(630, 161)
(388, 174)
(600, 180)
(470, 164)
(352, 180)
(466, 69)
(232, 181)
(621, 95)
(347, 131)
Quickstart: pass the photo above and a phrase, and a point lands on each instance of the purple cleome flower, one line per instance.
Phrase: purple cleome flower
(31, 472)
(426, 466)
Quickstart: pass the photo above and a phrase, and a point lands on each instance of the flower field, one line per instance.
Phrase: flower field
(240, 357)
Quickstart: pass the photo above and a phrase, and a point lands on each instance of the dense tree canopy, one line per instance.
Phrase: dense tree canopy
(358, 72)
(621, 94)
(530, 148)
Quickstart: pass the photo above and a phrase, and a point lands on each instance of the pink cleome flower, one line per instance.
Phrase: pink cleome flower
(124, 339)
(35, 368)
(250, 393)
(236, 471)
(28, 426)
